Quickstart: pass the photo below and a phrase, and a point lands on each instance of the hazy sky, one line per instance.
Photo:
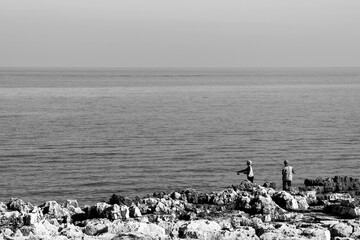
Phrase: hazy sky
(180, 33)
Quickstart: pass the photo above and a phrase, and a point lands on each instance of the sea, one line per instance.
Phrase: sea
(88, 133)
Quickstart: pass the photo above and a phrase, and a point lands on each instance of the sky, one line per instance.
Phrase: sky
(179, 33)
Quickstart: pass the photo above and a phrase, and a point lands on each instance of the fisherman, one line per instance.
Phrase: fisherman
(287, 175)
(248, 171)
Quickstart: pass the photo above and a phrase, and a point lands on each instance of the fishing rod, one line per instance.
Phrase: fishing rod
(276, 161)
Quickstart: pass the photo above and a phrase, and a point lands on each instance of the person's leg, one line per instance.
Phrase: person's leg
(289, 185)
(251, 179)
(284, 185)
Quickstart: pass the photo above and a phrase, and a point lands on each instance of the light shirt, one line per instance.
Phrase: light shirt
(251, 173)
(287, 173)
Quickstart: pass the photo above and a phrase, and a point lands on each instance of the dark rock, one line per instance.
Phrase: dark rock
(117, 199)
(190, 195)
(159, 194)
(19, 205)
(203, 198)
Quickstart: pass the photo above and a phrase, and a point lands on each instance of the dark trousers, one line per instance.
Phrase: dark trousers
(251, 179)
(286, 185)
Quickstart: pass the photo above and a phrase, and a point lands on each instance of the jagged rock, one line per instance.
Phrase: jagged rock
(280, 231)
(103, 210)
(71, 232)
(54, 210)
(246, 186)
(190, 195)
(44, 227)
(96, 226)
(225, 197)
(243, 233)
(3, 207)
(335, 184)
(175, 195)
(134, 212)
(339, 210)
(117, 199)
(11, 219)
(356, 229)
(200, 229)
(341, 230)
(285, 200)
(33, 217)
(132, 236)
(302, 202)
(311, 197)
(159, 194)
(16, 204)
(125, 212)
(314, 232)
(73, 203)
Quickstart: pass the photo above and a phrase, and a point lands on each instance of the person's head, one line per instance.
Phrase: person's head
(248, 162)
(286, 162)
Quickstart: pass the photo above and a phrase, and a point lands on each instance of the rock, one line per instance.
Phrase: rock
(125, 212)
(54, 210)
(341, 230)
(96, 226)
(72, 232)
(103, 210)
(11, 219)
(134, 212)
(44, 227)
(159, 194)
(302, 202)
(225, 197)
(115, 212)
(315, 232)
(281, 231)
(3, 207)
(311, 197)
(16, 204)
(132, 236)
(73, 203)
(190, 195)
(335, 184)
(285, 200)
(117, 199)
(243, 233)
(339, 210)
(175, 195)
(200, 229)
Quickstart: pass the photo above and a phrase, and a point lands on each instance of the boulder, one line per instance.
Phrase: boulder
(96, 226)
(243, 233)
(190, 195)
(54, 210)
(285, 200)
(16, 204)
(134, 212)
(341, 230)
(200, 229)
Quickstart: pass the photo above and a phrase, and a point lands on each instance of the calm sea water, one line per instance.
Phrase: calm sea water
(88, 133)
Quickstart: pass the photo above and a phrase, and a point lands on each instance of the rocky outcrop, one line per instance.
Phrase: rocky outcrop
(246, 211)
(334, 184)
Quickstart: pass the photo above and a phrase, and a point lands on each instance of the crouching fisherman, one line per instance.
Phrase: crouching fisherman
(248, 171)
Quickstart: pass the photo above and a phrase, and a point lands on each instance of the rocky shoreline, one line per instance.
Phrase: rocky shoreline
(323, 209)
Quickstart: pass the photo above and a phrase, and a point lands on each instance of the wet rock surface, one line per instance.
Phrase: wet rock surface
(246, 211)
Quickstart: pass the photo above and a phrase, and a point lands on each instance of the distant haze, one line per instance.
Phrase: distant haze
(179, 33)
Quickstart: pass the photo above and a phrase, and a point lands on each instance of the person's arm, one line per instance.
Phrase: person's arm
(243, 171)
(293, 171)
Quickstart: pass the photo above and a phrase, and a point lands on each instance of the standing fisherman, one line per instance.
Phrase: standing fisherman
(287, 175)
(248, 171)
